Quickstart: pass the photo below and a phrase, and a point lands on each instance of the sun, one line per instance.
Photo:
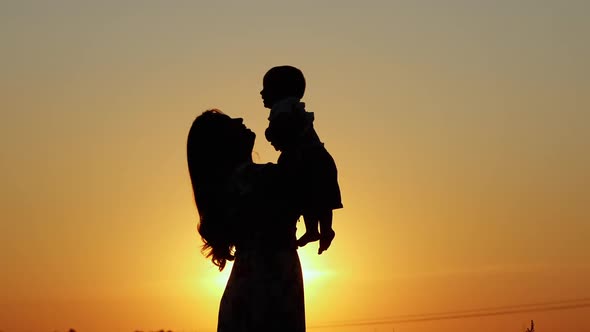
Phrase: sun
(312, 266)
(214, 281)
(219, 279)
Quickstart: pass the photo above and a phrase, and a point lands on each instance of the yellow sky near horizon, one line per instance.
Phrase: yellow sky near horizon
(461, 132)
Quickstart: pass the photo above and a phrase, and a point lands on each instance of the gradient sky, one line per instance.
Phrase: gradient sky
(461, 130)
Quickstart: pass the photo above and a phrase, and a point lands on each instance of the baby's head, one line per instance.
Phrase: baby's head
(282, 82)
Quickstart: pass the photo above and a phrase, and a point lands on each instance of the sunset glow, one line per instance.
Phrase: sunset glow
(461, 131)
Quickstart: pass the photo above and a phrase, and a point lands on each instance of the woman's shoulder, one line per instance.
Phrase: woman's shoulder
(259, 177)
(275, 181)
(259, 172)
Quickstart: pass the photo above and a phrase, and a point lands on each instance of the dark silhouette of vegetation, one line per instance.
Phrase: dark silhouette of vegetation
(532, 328)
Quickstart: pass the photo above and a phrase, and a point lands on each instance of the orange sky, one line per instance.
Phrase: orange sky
(461, 132)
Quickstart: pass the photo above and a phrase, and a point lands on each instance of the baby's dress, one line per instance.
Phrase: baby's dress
(307, 161)
(316, 176)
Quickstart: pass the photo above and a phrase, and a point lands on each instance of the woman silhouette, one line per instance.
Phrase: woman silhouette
(247, 214)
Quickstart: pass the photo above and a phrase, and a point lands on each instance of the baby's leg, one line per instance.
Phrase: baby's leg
(311, 230)
(327, 234)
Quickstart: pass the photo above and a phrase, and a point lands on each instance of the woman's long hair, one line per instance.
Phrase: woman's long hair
(211, 160)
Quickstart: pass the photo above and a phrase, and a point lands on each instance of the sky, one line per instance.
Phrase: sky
(461, 131)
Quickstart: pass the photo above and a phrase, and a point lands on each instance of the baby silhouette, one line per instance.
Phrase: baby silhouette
(303, 155)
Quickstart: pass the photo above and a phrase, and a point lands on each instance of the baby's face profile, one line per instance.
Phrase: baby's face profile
(268, 92)
(282, 82)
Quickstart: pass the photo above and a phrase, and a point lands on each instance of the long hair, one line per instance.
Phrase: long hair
(210, 163)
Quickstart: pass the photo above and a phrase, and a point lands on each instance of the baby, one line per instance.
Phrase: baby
(303, 155)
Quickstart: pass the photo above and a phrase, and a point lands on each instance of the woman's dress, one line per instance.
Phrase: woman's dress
(265, 288)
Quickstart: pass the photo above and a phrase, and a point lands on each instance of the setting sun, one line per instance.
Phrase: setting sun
(213, 281)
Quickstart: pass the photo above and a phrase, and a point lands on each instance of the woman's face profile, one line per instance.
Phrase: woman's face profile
(241, 135)
(216, 134)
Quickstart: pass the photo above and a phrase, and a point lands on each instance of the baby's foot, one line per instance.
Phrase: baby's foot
(325, 241)
(307, 238)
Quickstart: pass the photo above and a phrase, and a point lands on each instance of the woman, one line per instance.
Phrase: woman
(247, 215)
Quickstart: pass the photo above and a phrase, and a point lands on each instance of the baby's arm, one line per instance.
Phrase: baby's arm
(283, 130)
